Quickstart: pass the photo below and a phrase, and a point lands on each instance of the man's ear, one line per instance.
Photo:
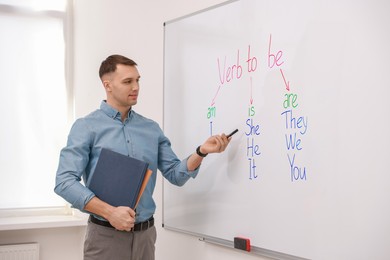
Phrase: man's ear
(106, 85)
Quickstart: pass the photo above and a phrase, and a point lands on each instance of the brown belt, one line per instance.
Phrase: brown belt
(137, 227)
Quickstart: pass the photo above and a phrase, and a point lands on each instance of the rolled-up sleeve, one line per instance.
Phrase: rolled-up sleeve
(74, 159)
(173, 169)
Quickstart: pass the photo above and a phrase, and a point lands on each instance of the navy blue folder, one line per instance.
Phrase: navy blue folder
(118, 178)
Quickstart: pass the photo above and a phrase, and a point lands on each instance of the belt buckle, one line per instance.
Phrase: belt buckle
(142, 226)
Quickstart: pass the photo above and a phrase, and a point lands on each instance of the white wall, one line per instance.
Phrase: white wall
(135, 28)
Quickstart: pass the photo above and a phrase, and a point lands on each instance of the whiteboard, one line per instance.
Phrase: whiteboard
(307, 85)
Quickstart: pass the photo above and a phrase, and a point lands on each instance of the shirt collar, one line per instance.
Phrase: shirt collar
(110, 111)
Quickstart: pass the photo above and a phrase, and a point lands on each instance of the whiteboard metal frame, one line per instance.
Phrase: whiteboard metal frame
(198, 12)
(230, 244)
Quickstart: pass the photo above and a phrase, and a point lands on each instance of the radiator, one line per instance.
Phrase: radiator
(19, 252)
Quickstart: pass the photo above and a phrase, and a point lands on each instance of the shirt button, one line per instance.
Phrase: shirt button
(128, 141)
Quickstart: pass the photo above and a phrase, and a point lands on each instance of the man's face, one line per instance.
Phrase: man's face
(122, 86)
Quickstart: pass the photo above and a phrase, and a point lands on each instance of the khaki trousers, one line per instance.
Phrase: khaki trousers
(105, 243)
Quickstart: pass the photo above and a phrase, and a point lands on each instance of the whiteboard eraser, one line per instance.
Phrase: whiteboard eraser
(242, 243)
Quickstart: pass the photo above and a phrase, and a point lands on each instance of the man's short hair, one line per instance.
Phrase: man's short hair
(110, 63)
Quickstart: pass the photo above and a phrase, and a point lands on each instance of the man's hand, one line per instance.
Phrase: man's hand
(122, 218)
(215, 144)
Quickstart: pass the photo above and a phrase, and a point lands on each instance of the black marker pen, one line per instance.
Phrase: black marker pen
(232, 133)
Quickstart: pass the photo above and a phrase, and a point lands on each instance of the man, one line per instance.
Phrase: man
(120, 232)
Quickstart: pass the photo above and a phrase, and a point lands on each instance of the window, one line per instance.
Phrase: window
(36, 103)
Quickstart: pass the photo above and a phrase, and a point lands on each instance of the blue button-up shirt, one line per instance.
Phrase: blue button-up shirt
(137, 137)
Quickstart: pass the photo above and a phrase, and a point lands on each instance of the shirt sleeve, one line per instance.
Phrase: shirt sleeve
(74, 158)
(172, 168)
